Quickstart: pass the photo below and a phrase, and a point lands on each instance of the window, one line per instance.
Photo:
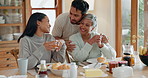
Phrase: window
(52, 8)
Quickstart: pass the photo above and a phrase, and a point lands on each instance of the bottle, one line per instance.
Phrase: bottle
(73, 70)
(42, 73)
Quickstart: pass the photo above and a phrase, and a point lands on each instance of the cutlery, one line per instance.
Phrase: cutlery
(96, 64)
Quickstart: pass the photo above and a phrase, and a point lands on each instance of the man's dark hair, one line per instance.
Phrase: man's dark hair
(81, 5)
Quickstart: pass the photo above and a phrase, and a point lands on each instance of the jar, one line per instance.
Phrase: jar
(112, 64)
(129, 58)
(122, 63)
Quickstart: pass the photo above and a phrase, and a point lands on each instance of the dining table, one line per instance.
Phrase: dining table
(139, 71)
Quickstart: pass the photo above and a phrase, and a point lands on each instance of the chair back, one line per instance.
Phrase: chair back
(68, 57)
(15, 53)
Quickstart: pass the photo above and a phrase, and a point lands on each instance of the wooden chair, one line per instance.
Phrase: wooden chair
(8, 59)
(15, 53)
(68, 57)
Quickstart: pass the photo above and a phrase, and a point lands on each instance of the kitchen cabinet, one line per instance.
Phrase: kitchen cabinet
(12, 23)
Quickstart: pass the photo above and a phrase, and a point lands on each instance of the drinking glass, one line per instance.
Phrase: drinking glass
(22, 64)
(55, 44)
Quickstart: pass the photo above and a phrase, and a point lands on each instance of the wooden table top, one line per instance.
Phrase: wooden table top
(139, 70)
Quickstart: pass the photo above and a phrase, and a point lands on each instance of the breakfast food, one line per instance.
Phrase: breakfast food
(59, 66)
(56, 65)
(93, 72)
(101, 59)
(64, 67)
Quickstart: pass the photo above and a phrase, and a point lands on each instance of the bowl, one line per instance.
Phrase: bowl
(60, 69)
(16, 35)
(58, 72)
(7, 37)
(144, 59)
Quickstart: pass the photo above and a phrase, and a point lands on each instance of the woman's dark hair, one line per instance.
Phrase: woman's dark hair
(81, 5)
(31, 27)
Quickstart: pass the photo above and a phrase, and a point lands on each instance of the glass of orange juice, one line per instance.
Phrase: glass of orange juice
(55, 45)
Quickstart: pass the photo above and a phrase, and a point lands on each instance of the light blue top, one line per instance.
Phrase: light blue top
(84, 51)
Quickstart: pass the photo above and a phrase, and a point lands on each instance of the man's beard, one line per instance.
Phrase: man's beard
(74, 22)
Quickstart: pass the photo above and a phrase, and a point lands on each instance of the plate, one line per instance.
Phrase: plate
(47, 64)
(93, 65)
(93, 60)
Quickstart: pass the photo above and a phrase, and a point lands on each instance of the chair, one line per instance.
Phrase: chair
(68, 57)
(8, 59)
(15, 53)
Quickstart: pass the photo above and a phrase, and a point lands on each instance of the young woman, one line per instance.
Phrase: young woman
(35, 45)
(90, 44)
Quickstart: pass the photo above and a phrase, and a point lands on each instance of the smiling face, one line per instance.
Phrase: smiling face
(44, 25)
(86, 27)
(75, 15)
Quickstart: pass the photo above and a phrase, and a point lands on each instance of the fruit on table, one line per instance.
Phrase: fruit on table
(143, 50)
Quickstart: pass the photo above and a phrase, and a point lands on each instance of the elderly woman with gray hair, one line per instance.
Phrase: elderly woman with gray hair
(90, 44)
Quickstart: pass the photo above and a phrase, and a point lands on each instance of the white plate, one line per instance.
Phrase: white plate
(48, 65)
(93, 65)
(93, 60)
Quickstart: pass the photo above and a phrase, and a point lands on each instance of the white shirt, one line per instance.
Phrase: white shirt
(84, 51)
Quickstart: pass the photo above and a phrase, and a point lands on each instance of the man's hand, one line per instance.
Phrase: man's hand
(70, 47)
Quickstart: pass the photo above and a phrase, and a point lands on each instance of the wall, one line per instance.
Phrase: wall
(105, 12)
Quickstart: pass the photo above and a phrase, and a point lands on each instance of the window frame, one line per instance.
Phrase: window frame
(28, 8)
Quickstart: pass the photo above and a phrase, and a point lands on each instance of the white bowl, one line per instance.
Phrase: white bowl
(16, 35)
(58, 72)
(2, 21)
(1, 17)
(7, 37)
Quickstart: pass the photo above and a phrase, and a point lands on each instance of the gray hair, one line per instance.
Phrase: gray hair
(91, 17)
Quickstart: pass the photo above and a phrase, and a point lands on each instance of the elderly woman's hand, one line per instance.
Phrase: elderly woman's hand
(104, 39)
(99, 41)
(94, 39)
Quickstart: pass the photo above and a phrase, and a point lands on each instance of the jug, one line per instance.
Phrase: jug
(128, 55)
(128, 49)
